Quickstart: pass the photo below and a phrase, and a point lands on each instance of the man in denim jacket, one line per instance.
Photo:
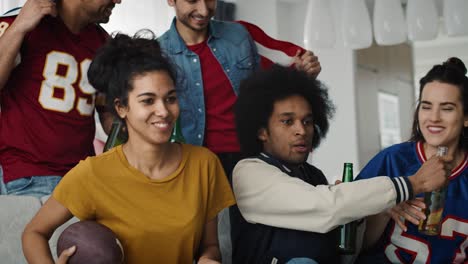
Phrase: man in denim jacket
(212, 58)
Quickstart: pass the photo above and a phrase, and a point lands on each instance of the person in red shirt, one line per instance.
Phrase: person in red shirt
(47, 104)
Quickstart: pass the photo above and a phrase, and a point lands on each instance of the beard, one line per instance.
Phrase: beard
(186, 20)
(104, 15)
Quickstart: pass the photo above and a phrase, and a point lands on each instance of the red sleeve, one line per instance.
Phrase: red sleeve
(271, 50)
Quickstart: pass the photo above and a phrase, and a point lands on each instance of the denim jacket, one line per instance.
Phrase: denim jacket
(235, 50)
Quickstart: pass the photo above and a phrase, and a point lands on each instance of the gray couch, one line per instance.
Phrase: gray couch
(15, 213)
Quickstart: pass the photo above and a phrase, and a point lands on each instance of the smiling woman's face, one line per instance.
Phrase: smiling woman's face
(152, 108)
(440, 115)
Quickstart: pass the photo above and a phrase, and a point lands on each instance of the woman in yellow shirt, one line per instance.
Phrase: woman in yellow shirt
(161, 199)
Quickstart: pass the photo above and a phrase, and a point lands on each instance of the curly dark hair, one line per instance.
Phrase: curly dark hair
(121, 59)
(453, 71)
(262, 89)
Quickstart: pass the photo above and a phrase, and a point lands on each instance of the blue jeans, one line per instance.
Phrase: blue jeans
(36, 186)
(301, 261)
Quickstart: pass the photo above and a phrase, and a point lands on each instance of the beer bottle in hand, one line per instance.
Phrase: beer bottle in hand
(434, 201)
(347, 244)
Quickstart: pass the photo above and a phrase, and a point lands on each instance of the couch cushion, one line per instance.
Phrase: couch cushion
(15, 214)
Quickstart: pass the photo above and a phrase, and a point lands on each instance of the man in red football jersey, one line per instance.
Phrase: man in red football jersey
(47, 105)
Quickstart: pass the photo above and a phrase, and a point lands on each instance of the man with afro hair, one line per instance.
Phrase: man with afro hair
(287, 212)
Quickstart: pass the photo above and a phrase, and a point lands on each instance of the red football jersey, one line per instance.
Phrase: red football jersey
(47, 105)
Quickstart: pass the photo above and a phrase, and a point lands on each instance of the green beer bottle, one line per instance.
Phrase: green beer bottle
(116, 136)
(177, 133)
(347, 244)
(434, 201)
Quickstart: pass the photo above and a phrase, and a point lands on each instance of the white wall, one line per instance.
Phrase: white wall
(259, 12)
(428, 53)
(341, 143)
(338, 72)
(385, 69)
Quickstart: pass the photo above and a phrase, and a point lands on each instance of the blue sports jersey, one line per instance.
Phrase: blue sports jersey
(397, 246)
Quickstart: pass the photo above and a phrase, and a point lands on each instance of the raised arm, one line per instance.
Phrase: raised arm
(268, 196)
(38, 232)
(307, 61)
(12, 36)
(408, 210)
(282, 52)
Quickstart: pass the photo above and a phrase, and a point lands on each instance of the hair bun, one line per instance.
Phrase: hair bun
(456, 63)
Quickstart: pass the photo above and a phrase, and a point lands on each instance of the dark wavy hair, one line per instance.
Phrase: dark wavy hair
(453, 71)
(262, 89)
(121, 59)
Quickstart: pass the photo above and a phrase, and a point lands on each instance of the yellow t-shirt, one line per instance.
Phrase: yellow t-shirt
(157, 221)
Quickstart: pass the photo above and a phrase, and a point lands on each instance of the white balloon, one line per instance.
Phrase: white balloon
(319, 31)
(423, 20)
(356, 25)
(456, 17)
(389, 22)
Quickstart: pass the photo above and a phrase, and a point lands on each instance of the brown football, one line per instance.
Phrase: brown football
(95, 244)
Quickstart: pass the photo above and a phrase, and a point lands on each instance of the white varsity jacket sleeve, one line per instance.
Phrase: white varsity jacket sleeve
(268, 196)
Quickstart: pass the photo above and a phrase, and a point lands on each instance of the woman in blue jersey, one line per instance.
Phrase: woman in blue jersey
(440, 119)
